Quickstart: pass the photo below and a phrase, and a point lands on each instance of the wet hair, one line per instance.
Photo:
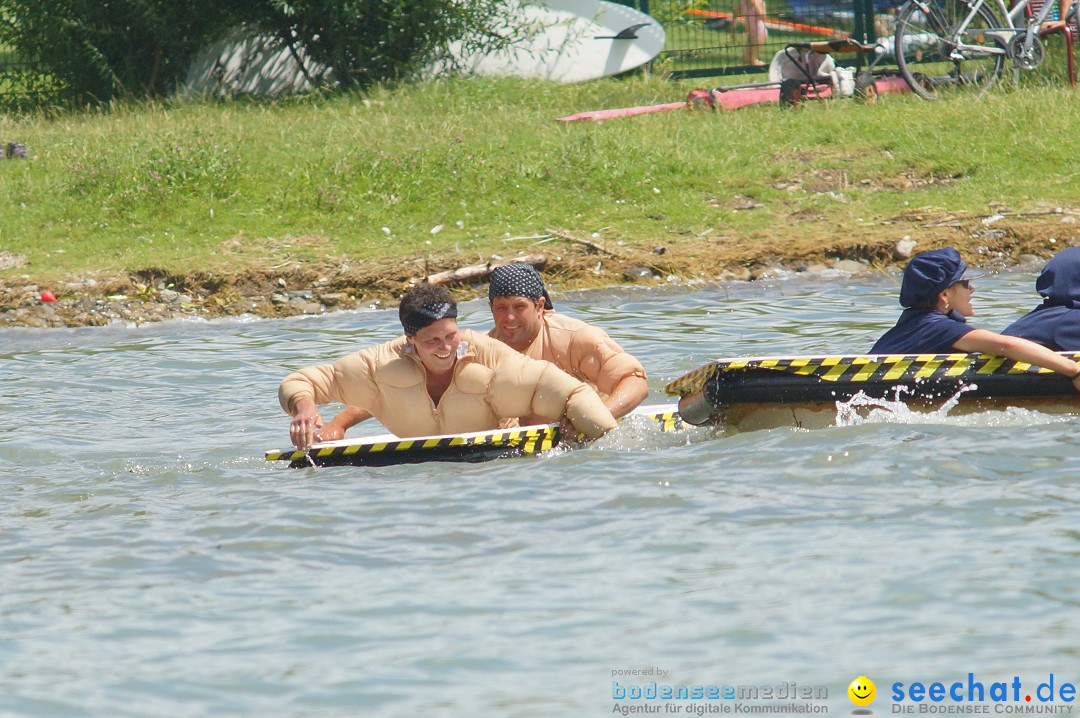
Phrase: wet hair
(425, 304)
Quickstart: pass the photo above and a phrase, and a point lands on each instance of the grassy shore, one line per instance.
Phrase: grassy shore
(367, 192)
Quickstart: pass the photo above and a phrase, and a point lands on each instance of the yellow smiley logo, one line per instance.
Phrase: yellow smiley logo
(862, 691)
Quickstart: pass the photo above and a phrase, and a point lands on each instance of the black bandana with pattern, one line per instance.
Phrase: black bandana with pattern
(427, 314)
(517, 280)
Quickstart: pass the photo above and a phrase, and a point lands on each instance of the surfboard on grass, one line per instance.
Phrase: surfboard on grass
(742, 392)
(567, 41)
(242, 63)
(388, 449)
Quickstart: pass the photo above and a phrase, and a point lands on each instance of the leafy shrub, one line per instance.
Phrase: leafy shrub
(367, 42)
(102, 49)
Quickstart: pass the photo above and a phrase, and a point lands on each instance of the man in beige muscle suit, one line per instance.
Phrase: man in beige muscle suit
(525, 321)
(438, 379)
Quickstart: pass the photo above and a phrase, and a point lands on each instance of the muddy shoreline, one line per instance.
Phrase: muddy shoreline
(993, 241)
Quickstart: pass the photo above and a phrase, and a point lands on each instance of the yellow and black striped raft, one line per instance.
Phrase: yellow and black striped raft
(387, 450)
(819, 379)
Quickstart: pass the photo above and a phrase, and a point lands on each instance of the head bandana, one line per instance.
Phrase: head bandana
(427, 314)
(517, 280)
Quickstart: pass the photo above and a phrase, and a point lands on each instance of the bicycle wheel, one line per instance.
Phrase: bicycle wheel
(936, 60)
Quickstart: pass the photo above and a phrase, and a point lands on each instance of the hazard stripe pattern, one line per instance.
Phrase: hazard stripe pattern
(528, 441)
(856, 369)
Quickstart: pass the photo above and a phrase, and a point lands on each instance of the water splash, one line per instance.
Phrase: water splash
(640, 433)
(862, 409)
(635, 434)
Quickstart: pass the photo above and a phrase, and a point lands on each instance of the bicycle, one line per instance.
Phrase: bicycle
(957, 46)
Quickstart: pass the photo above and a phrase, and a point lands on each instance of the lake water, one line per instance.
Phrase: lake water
(153, 564)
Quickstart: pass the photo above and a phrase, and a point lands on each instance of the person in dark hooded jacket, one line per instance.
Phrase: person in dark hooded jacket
(936, 296)
(1056, 322)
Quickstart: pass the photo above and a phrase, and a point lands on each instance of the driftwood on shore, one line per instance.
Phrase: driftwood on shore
(963, 220)
(482, 271)
(567, 236)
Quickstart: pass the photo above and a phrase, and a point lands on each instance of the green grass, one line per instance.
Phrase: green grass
(235, 185)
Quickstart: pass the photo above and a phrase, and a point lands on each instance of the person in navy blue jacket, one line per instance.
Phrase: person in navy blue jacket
(1056, 322)
(936, 297)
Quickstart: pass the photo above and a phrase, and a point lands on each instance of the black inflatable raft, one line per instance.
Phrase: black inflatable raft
(814, 381)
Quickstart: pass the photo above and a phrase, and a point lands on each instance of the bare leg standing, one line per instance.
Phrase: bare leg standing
(753, 12)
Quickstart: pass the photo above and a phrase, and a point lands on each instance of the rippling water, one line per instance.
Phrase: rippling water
(153, 564)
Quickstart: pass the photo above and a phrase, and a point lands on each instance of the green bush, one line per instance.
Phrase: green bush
(104, 49)
(367, 42)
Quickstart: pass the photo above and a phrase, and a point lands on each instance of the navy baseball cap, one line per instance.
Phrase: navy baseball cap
(931, 273)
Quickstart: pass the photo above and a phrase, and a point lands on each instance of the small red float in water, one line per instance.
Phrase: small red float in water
(47, 296)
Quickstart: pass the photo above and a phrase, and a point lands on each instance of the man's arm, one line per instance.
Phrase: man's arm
(981, 340)
(347, 418)
(626, 397)
(619, 377)
(522, 387)
(306, 421)
(301, 393)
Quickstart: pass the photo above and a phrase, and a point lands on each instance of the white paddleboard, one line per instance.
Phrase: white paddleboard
(388, 449)
(563, 40)
(569, 41)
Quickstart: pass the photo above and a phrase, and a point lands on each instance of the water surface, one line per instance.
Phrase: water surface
(154, 564)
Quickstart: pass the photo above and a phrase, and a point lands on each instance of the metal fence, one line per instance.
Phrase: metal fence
(720, 37)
